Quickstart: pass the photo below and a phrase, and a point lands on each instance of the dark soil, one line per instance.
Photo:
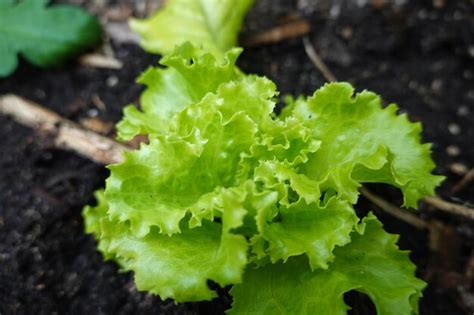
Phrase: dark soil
(419, 54)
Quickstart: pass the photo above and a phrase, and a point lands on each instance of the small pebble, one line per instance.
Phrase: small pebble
(347, 32)
(454, 129)
(438, 4)
(335, 10)
(458, 168)
(40, 286)
(463, 111)
(361, 3)
(453, 150)
(470, 51)
(112, 81)
(436, 85)
(93, 112)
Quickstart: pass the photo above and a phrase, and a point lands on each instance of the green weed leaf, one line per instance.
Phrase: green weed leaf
(45, 36)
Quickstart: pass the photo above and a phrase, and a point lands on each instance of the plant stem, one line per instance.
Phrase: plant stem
(450, 207)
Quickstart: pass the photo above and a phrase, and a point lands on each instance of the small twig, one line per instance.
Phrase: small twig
(277, 34)
(98, 102)
(317, 61)
(450, 207)
(100, 61)
(64, 133)
(394, 210)
(96, 125)
(468, 177)
(458, 169)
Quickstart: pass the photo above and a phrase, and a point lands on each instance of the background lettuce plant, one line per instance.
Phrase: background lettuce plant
(227, 191)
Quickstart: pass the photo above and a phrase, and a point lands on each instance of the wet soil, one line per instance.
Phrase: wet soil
(418, 54)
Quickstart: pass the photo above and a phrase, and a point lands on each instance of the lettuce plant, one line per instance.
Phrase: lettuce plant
(227, 191)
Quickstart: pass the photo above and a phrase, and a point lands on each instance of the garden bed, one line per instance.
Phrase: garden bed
(418, 54)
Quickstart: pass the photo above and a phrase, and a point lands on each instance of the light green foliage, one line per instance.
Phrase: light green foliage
(44, 36)
(304, 229)
(340, 121)
(212, 24)
(226, 187)
(190, 74)
(371, 264)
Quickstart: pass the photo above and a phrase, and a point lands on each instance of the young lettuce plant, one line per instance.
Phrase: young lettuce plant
(227, 191)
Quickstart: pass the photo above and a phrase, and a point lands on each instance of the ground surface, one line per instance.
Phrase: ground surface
(419, 54)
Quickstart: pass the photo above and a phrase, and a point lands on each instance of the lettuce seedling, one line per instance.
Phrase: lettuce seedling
(227, 191)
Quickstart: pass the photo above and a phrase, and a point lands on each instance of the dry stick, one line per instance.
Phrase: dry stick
(277, 34)
(64, 133)
(468, 177)
(394, 210)
(449, 207)
(317, 61)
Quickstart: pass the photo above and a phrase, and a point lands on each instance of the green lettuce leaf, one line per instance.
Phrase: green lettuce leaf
(371, 264)
(212, 24)
(190, 74)
(178, 266)
(157, 185)
(363, 142)
(313, 229)
(45, 36)
(288, 140)
(92, 221)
